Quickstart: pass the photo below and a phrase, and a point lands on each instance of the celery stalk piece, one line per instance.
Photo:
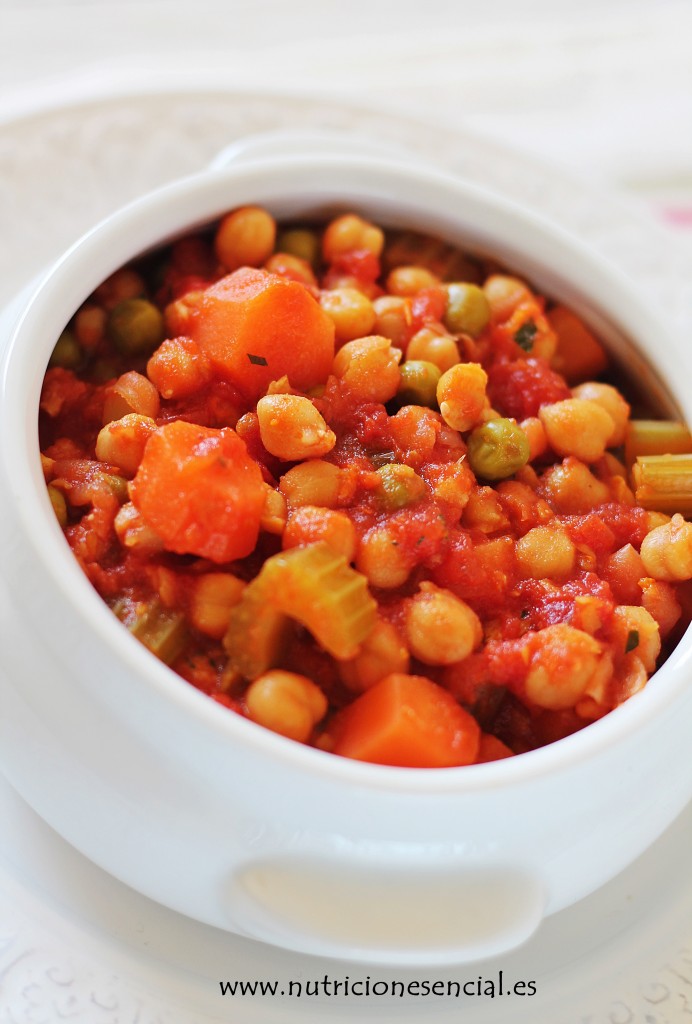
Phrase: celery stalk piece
(311, 585)
(663, 483)
(256, 632)
(160, 629)
(656, 437)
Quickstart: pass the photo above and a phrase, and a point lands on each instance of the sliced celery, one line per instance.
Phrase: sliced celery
(656, 437)
(160, 629)
(256, 632)
(664, 483)
(311, 585)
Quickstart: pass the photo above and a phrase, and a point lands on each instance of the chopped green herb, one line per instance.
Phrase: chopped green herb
(524, 613)
(525, 335)
(257, 360)
(632, 640)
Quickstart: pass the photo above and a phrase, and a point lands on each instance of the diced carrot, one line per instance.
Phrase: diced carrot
(406, 721)
(255, 327)
(492, 749)
(579, 356)
(200, 491)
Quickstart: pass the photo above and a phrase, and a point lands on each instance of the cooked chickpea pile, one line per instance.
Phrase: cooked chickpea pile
(362, 488)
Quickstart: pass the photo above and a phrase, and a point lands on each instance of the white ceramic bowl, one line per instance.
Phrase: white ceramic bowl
(229, 823)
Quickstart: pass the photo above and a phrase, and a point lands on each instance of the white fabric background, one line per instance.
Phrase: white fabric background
(603, 87)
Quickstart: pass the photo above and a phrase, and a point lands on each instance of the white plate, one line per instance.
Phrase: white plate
(76, 945)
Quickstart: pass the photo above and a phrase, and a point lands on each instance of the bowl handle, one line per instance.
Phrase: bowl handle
(432, 914)
(269, 145)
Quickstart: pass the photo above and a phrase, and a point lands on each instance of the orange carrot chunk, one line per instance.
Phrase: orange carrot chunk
(579, 355)
(406, 721)
(255, 326)
(200, 491)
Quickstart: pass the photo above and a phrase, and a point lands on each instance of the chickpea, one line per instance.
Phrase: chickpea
(409, 280)
(572, 489)
(291, 267)
(382, 560)
(468, 310)
(418, 383)
(370, 367)
(393, 318)
(577, 426)
(314, 482)
(287, 703)
(309, 523)
(632, 677)
(121, 442)
(497, 449)
(212, 597)
(381, 653)
(545, 552)
(245, 238)
(654, 519)
(535, 434)
(275, 511)
(483, 511)
(434, 345)
(291, 428)
(661, 601)
(563, 663)
(178, 368)
(454, 484)
(635, 629)
(415, 431)
(610, 399)
(135, 327)
(504, 294)
(441, 629)
(179, 315)
(351, 232)
(57, 500)
(461, 395)
(131, 393)
(352, 312)
(90, 326)
(666, 551)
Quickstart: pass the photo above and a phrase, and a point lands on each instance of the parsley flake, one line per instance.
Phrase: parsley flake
(525, 335)
(257, 360)
(632, 640)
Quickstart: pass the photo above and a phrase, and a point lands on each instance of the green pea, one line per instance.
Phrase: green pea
(400, 486)
(136, 327)
(418, 384)
(118, 485)
(497, 449)
(299, 242)
(67, 352)
(467, 310)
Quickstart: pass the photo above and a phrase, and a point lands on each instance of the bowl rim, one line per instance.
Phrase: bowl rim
(199, 199)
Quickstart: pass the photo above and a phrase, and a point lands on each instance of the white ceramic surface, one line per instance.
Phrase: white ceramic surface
(469, 144)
